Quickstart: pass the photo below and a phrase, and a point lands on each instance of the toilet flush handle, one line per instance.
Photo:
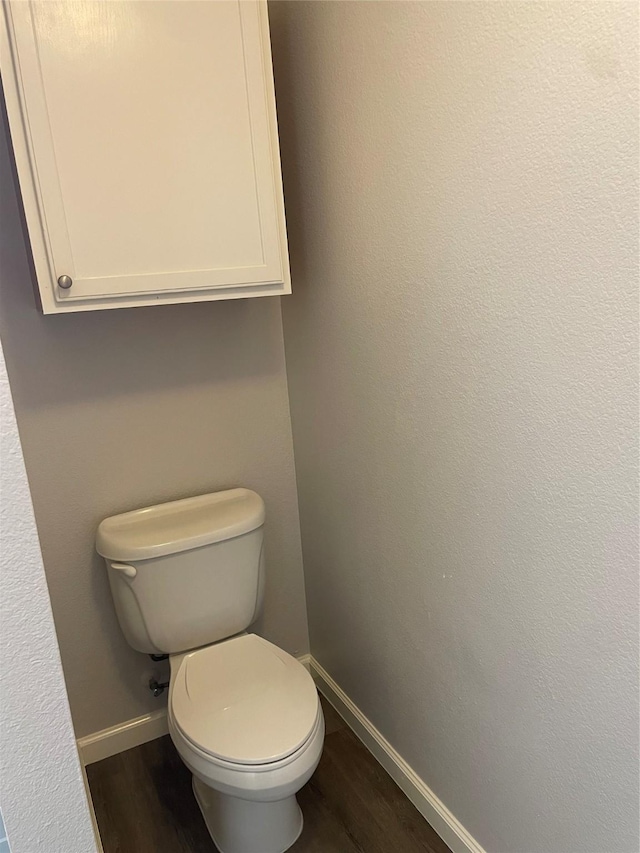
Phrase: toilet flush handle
(129, 571)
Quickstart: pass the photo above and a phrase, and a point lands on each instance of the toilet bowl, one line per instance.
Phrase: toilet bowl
(246, 720)
(187, 580)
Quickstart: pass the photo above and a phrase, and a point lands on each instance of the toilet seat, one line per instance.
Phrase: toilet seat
(181, 741)
(244, 702)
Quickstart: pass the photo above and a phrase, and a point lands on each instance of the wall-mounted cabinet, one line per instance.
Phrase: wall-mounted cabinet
(146, 147)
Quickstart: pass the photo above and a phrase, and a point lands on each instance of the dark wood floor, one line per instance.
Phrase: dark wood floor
(144, 803)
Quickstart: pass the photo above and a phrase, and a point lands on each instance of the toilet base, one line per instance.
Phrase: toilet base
(248, 826)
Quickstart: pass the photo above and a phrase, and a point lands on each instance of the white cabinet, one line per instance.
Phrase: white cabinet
(147, 150)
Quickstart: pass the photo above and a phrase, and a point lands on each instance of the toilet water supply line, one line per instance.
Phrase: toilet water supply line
(155, 686)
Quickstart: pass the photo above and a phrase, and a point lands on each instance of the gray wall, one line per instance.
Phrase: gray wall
(461, 192)
(120, 409)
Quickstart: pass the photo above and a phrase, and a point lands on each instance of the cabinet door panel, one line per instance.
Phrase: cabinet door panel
(151, 130)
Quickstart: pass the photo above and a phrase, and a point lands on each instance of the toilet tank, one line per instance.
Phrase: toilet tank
(187, 573)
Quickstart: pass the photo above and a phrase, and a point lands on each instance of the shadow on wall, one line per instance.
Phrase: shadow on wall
(123, 352)
(290, 148)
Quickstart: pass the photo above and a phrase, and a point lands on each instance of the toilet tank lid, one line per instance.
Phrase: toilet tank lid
(169, 528)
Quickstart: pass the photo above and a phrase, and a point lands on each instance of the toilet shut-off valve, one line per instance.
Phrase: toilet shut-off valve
(157, 687)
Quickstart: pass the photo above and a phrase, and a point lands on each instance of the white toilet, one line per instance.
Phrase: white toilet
(187, 580)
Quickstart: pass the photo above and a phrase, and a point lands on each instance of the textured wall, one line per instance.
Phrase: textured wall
(461, 192)
(120, 409)
(45, 808)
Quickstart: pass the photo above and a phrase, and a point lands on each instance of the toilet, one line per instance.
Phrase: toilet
(187, 580)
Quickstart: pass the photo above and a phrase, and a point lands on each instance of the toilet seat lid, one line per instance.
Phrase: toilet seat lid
(244, 701)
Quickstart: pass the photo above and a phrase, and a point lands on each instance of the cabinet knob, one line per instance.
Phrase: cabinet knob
(65, 282)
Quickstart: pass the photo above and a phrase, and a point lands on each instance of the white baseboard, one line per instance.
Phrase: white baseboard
(124, 736)
(305, 660)
(92, 811)
(430, 807)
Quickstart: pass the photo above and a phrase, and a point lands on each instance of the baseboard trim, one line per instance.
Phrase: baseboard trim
(430, 807)
(124, 736)
(305, 660)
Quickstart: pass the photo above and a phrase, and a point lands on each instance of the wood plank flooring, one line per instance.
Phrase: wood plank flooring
(144, 803)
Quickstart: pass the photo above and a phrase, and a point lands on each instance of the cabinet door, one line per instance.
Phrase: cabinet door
(146, 144)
